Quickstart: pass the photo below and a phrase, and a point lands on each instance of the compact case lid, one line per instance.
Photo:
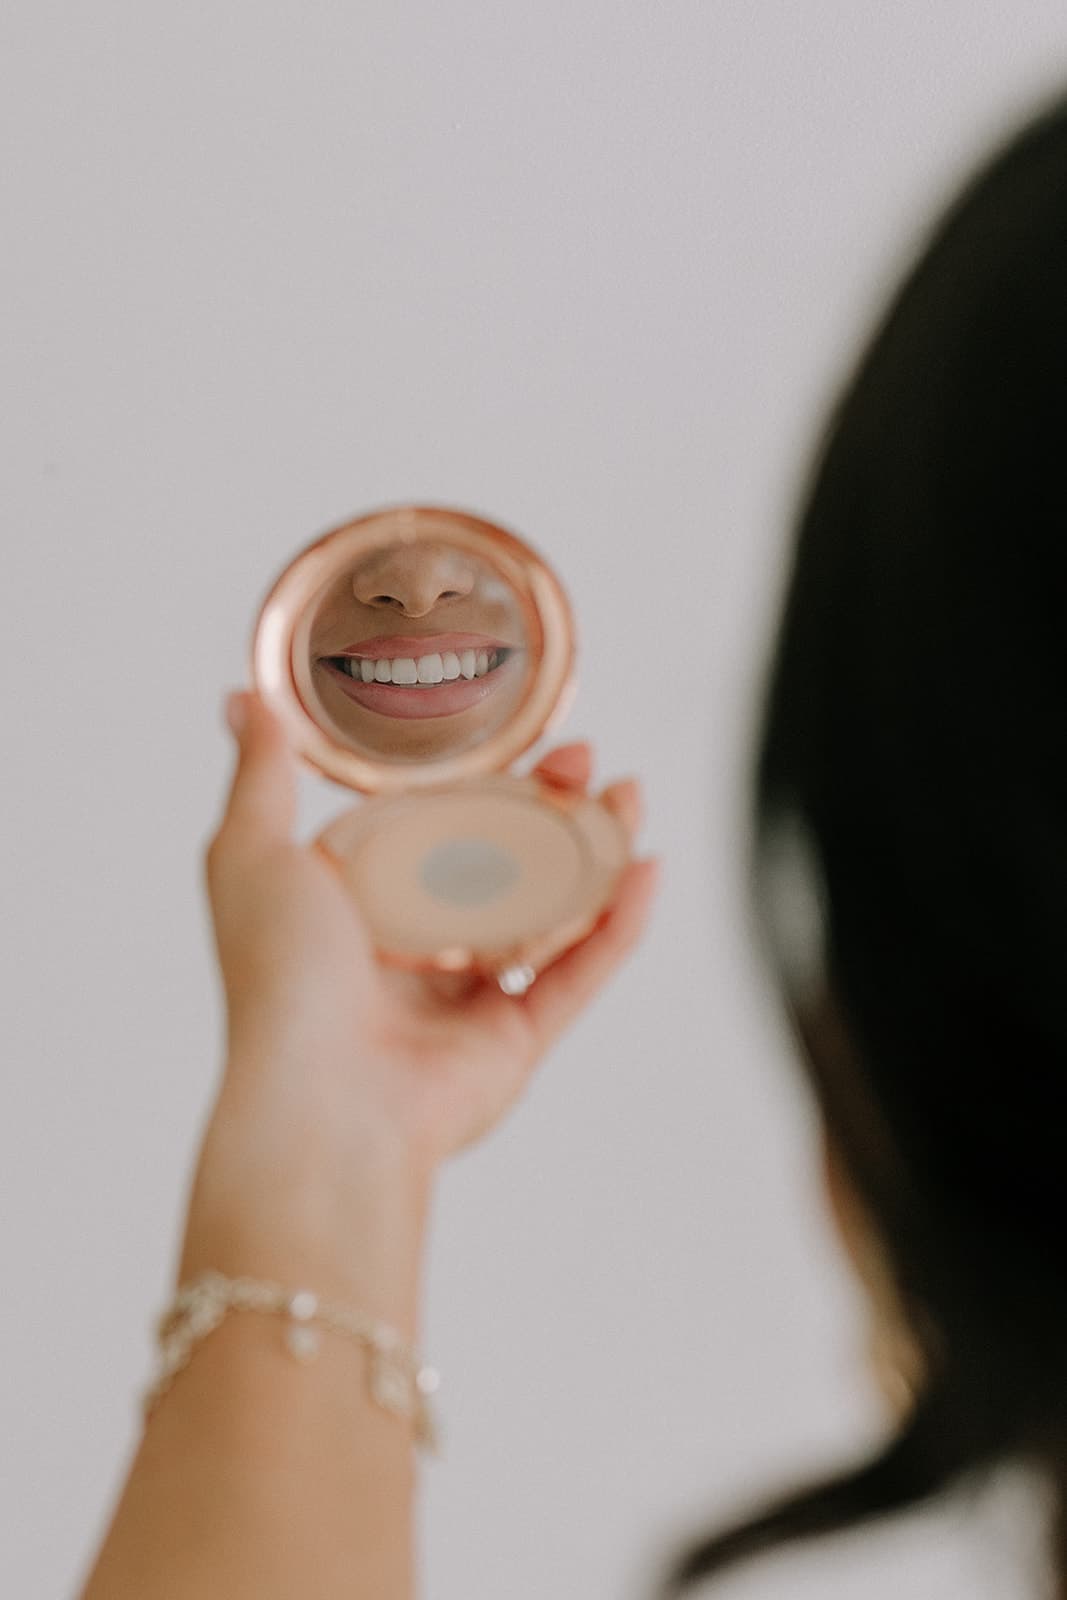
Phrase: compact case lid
(313, 693)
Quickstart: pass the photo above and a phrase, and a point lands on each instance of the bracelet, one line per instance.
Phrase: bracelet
(399, 1382)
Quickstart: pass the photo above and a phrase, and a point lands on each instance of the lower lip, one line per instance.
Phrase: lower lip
(424, 700)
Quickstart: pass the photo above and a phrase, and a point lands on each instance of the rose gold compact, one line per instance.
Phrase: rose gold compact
(413, 654)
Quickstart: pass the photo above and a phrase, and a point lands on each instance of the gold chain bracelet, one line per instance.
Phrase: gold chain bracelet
(399, 1382)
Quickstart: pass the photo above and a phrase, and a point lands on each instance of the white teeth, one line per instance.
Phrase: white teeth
(437, 668)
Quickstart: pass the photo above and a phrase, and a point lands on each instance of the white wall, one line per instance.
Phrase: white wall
(592, 267)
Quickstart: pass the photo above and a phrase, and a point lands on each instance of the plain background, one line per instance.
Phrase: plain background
(591, 267)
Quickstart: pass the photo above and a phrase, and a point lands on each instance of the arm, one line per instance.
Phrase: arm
(256, 1475)
(344, 1088)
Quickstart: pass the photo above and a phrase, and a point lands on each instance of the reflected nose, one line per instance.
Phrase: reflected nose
(413, 579)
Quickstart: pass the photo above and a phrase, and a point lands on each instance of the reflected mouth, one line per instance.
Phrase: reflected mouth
(423, 671)
(436, 683)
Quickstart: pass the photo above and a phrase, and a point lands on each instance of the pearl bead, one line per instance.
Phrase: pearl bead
(302, 1341)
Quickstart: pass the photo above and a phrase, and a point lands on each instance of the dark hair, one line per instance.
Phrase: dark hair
(915, 738)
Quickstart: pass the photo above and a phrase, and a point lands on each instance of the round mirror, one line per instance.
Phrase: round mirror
(413, 646)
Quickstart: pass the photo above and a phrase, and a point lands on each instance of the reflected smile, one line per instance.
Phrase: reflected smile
(417, 671)
(433, 676)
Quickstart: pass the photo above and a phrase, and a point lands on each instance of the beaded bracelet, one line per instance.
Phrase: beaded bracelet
(399, 1382)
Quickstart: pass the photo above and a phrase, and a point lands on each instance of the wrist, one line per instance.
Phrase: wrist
(349, 1225)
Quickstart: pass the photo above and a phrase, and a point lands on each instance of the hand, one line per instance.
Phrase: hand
(331, 1051)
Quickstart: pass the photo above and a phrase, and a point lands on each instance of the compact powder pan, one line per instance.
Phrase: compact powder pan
(413, 654)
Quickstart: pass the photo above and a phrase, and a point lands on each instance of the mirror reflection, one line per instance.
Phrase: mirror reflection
(414, 651)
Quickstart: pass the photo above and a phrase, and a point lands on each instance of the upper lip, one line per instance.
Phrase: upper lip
(401, 646)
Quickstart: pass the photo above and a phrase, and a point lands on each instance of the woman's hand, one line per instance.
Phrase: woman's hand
(346, 1083)
(329, 1050)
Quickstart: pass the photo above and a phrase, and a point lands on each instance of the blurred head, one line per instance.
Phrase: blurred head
(911, 840)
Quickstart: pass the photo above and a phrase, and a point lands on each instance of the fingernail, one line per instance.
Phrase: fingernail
(236, 712)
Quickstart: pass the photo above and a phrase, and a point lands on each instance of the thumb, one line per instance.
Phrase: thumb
(261, 809)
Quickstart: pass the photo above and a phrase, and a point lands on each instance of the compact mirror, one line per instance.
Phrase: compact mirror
(413, 654)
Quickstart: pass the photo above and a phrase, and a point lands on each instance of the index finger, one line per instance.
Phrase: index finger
(568, 764)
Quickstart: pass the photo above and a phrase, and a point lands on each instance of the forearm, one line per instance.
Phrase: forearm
(259, 1476)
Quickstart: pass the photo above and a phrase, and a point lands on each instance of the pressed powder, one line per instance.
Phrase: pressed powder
(482, 870)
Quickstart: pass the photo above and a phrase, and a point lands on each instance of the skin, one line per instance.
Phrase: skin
(345, 1087)
(415, 590)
